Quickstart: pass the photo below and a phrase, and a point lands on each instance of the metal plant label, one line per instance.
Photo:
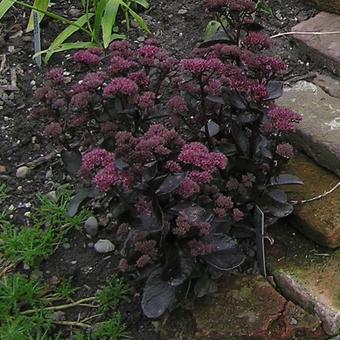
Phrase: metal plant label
(36, 38)
(259, 226)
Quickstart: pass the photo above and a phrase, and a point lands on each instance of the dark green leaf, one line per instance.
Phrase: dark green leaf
(278, 195)
(220, 37)
(213, 128)
(275, 89)
(79, 198)
(285, 179)
(171, 183)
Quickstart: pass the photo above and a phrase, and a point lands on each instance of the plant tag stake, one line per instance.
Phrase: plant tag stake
(36, 38)
(259, 226)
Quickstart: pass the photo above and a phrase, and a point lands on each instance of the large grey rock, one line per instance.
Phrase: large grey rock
(319, 132)
(307, 274)
(324, 49)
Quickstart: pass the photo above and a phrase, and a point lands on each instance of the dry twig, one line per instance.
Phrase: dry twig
(303, 33)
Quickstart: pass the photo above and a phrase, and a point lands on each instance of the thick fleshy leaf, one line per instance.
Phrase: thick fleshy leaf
(278, 195)
(120, 164)
(171, 183)
(211, 29)
(263, 147)
(228, 254)
(71, 160)
(196, 214)
(148, 223)
(279, 210)
(228, 149)
(285, 179)
(246, 118)
(213, 128)
(205, 286)
(241, 139)
(158, 295)
(79, 198)
(275, 89)
(184, 272)
(216, 100)
(235, 100)
(150, 171)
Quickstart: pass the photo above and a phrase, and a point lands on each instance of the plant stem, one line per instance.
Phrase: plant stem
(70, 305)
(72, 324)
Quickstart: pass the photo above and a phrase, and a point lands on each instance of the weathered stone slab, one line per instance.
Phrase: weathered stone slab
(327, 5)
(318, 220)
(243, 308)
(324, 49)
(330, 85)
(318, 134)
(307, 274)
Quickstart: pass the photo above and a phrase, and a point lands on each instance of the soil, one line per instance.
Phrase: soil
(179, 25)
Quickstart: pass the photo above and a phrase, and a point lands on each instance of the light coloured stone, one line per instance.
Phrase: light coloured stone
(91, 226)
(306, 274)
(104, 246)
(245, 307)
(23, 172)
(324, 49)
(318, 134)
(318, 220)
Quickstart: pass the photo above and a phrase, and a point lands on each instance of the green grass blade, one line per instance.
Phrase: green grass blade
(141, 23)
(5, 5)
(142, 3)
(42, 5)
(65, 34)
(99, 10)
(109, 19)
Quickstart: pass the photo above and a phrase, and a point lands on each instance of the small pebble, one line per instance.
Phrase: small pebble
(293, 321)
(91, 226)
(104, 246)
(182, 11)
(59, 316)
(52, 195)
(22, 172)
(74, 262)
(66, 246)
(26, 266)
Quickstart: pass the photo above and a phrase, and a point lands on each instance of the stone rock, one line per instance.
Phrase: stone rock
(104, 246)
(306, 274)
(2, 169)
(324, 49)
(59, 316)
(328, 84)
(318, 220)
(244, 308)
(327, 5)
(91, 226)
(23, 172)
(318, 134)
(52, 195)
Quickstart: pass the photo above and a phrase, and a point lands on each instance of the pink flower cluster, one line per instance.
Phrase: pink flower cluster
(200, 248)
(120, 85)
(56, 75)
(285, 150)
(90, 56)
(198, 66)
(108, 175)
(283, 119)
(148, 250)
(183, 226)
(223, 204)
(257, 40)
(53, 130)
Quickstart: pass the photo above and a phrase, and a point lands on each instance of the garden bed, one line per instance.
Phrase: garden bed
(178, 25)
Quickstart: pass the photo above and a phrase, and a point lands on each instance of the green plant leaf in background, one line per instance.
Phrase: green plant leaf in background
(39, 4)
(109, 20)
(57, 43)
(136, 17)
(263, 7)
(5, 5)
(212, 27)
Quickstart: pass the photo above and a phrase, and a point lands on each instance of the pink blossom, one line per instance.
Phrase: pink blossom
(96, 158)
(200, 177)
(203, 227)
(248, 180)
(285, 150)
(143, 261)
(237, 215)
(58, 104)
(214, 87)
(140, 78)
(143, 206)
(53, 130)
(178, 105)
(94, 79)
(199, 248)
(146, 100)
(81, 100)
(182, 226)
(87, 57)
(148, 53)
(283, 119)
(119, 64)
(173, 166)
(147, 247)
(119, 85)
(257, 40)
(188, 188)
(110, 176)
(56, 75)
(198, 66)
(224, 202)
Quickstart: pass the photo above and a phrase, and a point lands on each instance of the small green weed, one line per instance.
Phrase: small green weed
(3, 192)
(112, 293)
(113, 329)
(52, 213)
(50, 224)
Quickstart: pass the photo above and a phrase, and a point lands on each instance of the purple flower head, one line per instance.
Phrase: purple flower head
(257, 40)
(237, 215)
(96, 158)
(182, 226)
(56, 75)
(81, 100)
(94, 79)
(178, 105)
(200, 177)
(53, 130)
(188, 188)
(143, 206)
(119, 64)
(147, 54)
(143, 261)
(110, 176)
(214, 87)
(87, 57)
(285, 150)
(198, 66)
(224, 202)
(146, 100)
(199, 248)
(140, 78)
(173, 166)
(248, 180)
(283, 119)
(120, 85)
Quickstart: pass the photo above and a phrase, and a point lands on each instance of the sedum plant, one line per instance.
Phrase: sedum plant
(185, 151)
